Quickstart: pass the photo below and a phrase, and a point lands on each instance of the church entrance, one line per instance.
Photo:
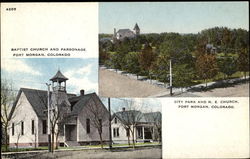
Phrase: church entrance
(70, 133)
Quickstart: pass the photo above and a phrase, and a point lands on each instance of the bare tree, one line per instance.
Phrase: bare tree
(7, 113)
(155, 119)
(98, 115)
(130, 117)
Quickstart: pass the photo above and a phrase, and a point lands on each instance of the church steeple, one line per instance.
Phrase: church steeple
(57, 82)
(136, 29)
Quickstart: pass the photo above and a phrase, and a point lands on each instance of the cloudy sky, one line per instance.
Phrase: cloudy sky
(182, 17)
(35, 72)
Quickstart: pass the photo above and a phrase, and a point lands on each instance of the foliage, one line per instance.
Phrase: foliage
(206, 66)
(243, 61)
(227, 65)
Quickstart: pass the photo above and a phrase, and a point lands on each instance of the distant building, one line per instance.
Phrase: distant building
(145, 129)
(126, 33)
(211, 49)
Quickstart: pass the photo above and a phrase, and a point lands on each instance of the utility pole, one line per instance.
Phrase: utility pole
(110, 136)
(170, 69)
(49, 135)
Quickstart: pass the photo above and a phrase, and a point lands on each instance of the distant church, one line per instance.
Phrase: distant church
(123, 33)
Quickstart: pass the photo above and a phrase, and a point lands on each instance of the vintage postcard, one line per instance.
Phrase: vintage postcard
(125, 80)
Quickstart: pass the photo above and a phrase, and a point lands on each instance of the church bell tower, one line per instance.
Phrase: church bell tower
(59, 96)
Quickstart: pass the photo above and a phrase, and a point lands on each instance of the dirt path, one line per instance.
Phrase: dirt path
(112, 84)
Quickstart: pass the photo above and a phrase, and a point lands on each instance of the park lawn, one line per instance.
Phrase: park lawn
(220, 76)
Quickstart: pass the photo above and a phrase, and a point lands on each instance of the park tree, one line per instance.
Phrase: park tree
(182, 76)
(146, 57)
(227, 65)
(161, 68)
(206, 67)
(132, 63)
(243, 61)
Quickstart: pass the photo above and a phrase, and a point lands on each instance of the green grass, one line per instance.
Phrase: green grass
(117, 145)
(23, 149)
(220, 76)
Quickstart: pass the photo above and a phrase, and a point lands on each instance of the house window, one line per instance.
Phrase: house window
(13, 129)
(115, 120)
(127, 132)
(22, 128)
(44, 126)
(32, 127)
(116, 132)
(100, 122)
(88, 126)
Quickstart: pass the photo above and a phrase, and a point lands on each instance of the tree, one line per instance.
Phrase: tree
(130, 117)
(206, 66)
(156, 119)
(132, 63)
(98, 115)
(146, 57)
(243, 61)
(7, 111)
(161, 68)
(227, 65)
(182, 76)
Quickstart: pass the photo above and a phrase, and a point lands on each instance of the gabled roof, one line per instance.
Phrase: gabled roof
(139, 117)
(37, 98)
(130, 116)
(124, 31)
(79, 102)
(59, 76)
(153, 116)
(136, 27)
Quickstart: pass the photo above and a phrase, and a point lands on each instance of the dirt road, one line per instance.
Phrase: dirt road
(112, 84)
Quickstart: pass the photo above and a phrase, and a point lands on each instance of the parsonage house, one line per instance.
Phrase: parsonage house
(75, 118)
(146, 127)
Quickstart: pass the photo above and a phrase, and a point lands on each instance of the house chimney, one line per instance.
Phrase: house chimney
(123, 109)
(82, 92)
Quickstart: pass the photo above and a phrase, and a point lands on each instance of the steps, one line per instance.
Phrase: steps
(71, 143)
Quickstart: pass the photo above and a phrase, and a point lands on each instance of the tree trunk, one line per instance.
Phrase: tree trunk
(206, 83)
(133, 137)
(128, 141)
(57, 143)
(52, 139)
(100, 134)
(6, 137)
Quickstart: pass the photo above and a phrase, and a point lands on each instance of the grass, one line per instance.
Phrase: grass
(220, 76)
(23, 149)
(125, 145)
(63, 148)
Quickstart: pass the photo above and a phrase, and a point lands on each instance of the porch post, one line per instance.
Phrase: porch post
(143, 136)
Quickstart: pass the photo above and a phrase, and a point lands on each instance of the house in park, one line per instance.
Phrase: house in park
(126, 33)
(146, 127)
(77, 119)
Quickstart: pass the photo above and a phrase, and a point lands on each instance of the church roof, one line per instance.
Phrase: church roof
(59, 76)
(38, 100)
(136, 27)
(123, 31)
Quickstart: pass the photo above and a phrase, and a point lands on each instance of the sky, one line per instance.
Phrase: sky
(35, 72)
(182, 17)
